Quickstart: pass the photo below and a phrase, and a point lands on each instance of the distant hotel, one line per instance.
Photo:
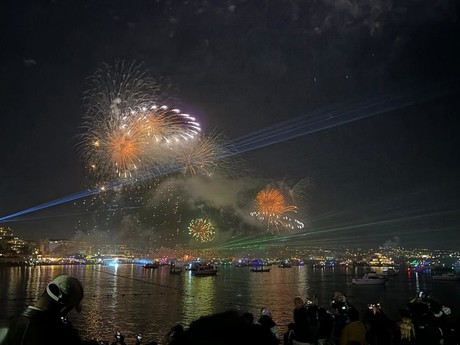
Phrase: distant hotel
(381, 260)
(11, 245)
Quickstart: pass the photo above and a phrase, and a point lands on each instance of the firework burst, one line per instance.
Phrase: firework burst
(202, 230)
(273, 209)
(298, 192)
(126, 133)
(114, 89)
(203, 156)
(166, 125)
(118, 147)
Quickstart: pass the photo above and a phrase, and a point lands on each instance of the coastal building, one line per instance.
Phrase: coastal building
(14, 250)
(59, 246)
(11, 245)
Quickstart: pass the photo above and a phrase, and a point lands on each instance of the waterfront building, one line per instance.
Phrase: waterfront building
(58, 246)
(11, 245)
(6, 235)
(12, 248)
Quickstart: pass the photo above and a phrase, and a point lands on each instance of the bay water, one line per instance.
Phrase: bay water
(132, 299)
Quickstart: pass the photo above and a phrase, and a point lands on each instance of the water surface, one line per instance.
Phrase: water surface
(132, 299)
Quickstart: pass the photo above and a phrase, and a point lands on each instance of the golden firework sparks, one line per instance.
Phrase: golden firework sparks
(202, 230)
(126, 133)
(200, 155)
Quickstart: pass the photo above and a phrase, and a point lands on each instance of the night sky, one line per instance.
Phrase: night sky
(242, 66)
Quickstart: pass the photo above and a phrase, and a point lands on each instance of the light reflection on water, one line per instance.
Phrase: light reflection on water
(199, 298)
(132, 299)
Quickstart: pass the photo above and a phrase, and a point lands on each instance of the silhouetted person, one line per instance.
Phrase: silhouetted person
(267, 322)
(306, 322)
(288, 337)
(226, 328)
(249, 318)
(326, 326)
(354, 331)
(45, 322)
(341, 305)
(380, 327)
(430, 320)
(405, 329)
(175, 333)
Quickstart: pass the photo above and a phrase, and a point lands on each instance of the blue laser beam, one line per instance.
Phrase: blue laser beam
(83, 194)
(312, 122)
(329, 117)
(63, 200)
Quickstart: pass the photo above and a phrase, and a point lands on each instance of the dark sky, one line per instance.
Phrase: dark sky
(241, 66)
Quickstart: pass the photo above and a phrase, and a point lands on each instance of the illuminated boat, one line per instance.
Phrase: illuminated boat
(260, 269)
(204, 271)
(370, 278)
(151, 265)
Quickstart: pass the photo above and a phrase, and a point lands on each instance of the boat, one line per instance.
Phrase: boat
(151, 265)
(285, 265)
(389, 272)
(204, 271)
(194, 265)
(446, 277)
(260, 269)
(176, 268)
(370, 278)
(241, 264)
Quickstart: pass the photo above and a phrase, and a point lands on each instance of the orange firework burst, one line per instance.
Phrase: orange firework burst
(271, 201)
(201, 230)
(115, 148)
(122, 144)
(125, 149)
(272, 208)
(126, 134)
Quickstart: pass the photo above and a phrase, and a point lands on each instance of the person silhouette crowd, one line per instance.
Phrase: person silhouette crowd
(423, 321)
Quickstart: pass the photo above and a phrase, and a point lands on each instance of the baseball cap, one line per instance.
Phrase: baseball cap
(66, 290)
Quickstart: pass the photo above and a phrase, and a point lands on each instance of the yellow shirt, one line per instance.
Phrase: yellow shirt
(353, 331)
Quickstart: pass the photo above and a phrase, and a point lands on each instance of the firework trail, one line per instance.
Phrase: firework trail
(202, 230)
(273, 209)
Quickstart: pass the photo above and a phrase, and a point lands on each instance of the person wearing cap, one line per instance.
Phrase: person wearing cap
(45, 322)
